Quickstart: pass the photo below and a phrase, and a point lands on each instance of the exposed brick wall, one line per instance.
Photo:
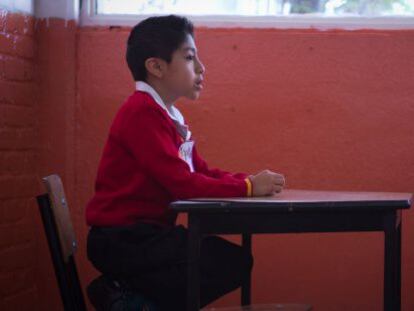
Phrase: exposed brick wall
(56, 79)
(18, 163)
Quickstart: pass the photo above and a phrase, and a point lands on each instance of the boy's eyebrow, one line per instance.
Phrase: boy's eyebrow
(189, 48)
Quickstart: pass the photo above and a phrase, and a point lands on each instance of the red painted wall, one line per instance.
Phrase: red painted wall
(329, 109)
(56, 79)
(18, 162)
(37, 95)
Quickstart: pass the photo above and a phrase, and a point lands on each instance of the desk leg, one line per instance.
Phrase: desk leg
(392, 261)
(193, 284)
(246, 286)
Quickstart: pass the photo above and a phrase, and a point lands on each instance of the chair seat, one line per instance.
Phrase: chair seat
(265, 307)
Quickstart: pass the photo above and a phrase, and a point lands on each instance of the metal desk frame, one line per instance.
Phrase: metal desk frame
(246, 218)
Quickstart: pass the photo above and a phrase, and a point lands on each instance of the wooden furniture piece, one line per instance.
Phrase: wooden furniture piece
(62, 244)
(298, 211)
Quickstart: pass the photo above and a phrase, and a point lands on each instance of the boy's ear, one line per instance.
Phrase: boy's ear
(155, 66)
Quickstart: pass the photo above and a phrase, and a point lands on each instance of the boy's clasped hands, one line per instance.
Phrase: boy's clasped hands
(266, 183)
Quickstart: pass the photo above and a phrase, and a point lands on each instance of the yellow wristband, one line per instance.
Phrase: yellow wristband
(249, 187)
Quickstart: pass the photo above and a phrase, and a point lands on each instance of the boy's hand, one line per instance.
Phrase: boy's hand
(266, 183)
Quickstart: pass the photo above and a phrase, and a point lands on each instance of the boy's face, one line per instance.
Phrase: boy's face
(183, 76)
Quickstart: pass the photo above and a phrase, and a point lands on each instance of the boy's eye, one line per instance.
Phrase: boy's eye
(189, 57)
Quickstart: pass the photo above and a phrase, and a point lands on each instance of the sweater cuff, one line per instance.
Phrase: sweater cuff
(249, 187)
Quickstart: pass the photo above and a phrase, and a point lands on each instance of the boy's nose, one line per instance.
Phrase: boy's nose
(200, 68)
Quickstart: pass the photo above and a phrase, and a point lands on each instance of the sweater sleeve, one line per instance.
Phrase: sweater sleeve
(201, 166)
(150, 139)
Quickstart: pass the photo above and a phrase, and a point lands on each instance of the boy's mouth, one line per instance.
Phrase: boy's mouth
(198, 84)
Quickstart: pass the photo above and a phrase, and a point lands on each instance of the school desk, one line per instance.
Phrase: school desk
(298, 211)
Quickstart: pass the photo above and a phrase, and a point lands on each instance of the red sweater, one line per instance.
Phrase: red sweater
(141, 173)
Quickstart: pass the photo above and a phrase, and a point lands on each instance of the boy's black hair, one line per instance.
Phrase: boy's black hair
(157, 36)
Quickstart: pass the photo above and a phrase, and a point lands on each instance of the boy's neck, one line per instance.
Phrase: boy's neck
(162, 92)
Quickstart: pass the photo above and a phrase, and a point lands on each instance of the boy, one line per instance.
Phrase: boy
(150, 160)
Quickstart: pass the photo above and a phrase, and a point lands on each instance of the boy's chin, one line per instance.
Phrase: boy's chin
(193, 95)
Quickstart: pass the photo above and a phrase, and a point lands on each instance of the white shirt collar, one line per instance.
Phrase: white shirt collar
(173, 112)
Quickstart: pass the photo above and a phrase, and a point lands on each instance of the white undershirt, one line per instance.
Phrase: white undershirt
(172, 112)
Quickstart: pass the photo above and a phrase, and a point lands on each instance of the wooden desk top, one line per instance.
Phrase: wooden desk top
(300, 200)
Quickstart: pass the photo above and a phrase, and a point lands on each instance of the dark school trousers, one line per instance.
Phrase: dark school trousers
(153, 261)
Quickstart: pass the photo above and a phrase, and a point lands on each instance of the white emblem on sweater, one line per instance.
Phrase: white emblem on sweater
(186, 153)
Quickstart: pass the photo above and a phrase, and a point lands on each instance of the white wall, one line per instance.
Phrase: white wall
(24, 6)
(65, 9)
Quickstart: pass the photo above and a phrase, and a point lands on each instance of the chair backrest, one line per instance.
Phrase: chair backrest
(60, 209)
(61, 240)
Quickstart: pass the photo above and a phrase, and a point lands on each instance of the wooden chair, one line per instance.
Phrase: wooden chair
(62, 244)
